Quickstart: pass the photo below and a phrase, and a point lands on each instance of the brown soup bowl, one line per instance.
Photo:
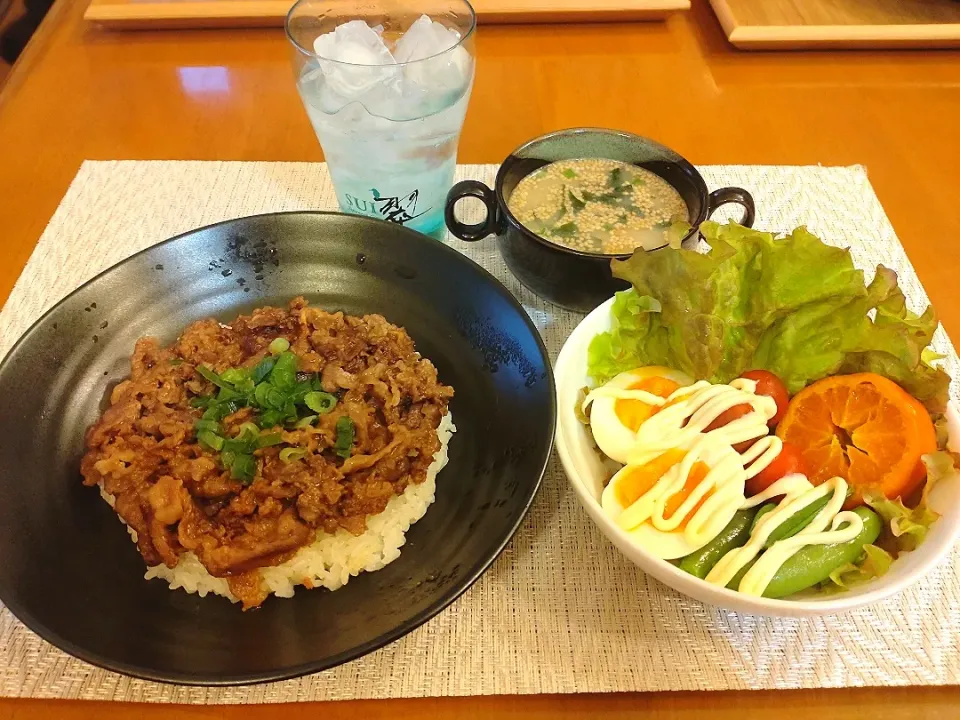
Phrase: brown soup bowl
(570, 278)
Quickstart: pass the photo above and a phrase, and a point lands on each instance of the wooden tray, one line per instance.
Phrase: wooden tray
(795, 24)
(132, 14)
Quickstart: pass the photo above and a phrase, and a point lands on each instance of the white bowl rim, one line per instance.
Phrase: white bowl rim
(683, 582)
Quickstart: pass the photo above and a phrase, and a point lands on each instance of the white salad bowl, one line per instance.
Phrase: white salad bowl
(587, 474)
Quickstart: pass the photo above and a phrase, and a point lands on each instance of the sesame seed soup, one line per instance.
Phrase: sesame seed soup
(598, 206)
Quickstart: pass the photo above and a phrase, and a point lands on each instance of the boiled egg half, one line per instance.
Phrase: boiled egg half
(616, 420)
(680, 500)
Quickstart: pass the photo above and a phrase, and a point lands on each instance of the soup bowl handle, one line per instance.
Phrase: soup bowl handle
(735, 195)
(476, 231)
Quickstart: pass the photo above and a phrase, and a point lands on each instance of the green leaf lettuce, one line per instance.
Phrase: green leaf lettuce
(794, 306)
(909, 525)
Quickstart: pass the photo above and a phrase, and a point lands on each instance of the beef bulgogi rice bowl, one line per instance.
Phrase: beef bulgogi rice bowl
(290, 447)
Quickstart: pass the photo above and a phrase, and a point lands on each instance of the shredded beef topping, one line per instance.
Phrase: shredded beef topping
(178, 495)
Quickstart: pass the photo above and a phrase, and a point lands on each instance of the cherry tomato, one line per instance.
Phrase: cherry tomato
(728, 416)
(770, 385)
(789, 461)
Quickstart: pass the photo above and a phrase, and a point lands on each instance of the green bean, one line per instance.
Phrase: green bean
(735, 583)
(764, 509)
(734, 535)
(798, 521)
(814, 563)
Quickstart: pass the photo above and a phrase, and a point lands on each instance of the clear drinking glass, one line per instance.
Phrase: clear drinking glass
(386, 85)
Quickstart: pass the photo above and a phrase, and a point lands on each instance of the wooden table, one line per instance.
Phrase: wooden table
(81, 93)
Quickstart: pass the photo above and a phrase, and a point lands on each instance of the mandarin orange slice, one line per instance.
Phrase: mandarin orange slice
(864, 428)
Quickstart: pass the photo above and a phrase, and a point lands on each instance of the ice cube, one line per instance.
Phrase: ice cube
(354, 59)
(354, 42)
(423, 39)
(437, 64)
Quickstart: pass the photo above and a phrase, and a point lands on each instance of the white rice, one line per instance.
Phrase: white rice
(332, 559)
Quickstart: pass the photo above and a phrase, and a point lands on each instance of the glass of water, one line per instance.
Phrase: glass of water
(386, 85)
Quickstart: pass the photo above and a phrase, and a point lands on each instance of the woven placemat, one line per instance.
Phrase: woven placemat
(561, 610)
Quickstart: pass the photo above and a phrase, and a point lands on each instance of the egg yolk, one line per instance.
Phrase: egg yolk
(634, 413)
(642, 478)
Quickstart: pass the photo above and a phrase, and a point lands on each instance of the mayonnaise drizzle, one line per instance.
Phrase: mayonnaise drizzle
(622, 394)
(681, 423)
(844, 527)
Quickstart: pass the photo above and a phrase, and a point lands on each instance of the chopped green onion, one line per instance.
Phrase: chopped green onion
(246, 386)
(284, 373)
(233, 376)
(278, 395)
(210, 375)
(269, 440)
(260, 394)
(270, 418)
(212, 412)
(288, 454)
(275, 399)
(231, 407)
(176, 362)
(320, 402)
(279, 345)
(248, 432)
(300, 391)
(263, 369)
(207, 424)
(227, 393)
(243, 468)
(345, 433)
(238, 446)
(210, 440)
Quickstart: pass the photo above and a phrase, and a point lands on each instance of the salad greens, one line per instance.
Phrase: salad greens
(909, 525)
(279, 397)
(908, 528)
(874, 563)
(794, 306)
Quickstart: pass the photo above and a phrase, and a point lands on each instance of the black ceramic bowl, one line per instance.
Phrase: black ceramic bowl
(570, 278)
(67, 568)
